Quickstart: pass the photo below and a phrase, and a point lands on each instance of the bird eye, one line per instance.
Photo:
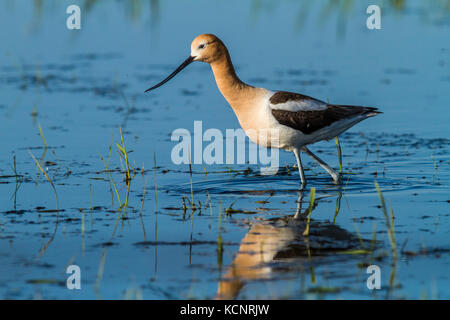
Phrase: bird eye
(202, 46)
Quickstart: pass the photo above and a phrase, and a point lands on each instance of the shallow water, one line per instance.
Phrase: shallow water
(245, 238)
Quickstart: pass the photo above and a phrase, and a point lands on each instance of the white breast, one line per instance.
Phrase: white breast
(263, 129)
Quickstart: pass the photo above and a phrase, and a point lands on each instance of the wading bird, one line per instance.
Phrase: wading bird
(278, 119)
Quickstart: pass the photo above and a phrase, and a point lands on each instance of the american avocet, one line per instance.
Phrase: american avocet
(298, 120)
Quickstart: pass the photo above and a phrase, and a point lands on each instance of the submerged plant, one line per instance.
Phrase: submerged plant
(312, 195)
(38, 165)
(338, 146)
(19, 181)
(145, 182)
(219, 239)
(156, 187)
(389, 219)
(123, 153)
(192, 187)
(338, 206)
(47, 244)
(110, 178)
(42, 135)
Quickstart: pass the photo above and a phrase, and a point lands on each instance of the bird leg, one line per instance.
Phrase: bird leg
(335, 175)
(300, 168)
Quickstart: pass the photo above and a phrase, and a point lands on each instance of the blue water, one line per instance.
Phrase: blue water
(81, 86)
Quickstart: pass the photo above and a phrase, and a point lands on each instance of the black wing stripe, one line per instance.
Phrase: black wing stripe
(310, 121)
(284, 96)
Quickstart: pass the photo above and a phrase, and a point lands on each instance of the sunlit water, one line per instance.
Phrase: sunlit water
(82, 86)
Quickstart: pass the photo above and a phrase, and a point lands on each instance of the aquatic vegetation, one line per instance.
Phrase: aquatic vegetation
(192, 187)
(338, 205)
(156, 186)
(110, 179)
(312, 195)
(19, 181)
(389, 220)
(219, 239)
(38, 165)
(42, 135)
(338, 146)
(144, 182)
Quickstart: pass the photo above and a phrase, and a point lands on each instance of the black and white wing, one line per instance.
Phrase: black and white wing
(308, 114)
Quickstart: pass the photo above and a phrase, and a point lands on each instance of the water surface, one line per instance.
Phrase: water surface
(245, 238)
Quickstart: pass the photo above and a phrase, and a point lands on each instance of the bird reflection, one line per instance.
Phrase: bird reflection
(278, 239)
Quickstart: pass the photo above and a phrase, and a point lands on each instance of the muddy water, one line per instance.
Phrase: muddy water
(245, 238)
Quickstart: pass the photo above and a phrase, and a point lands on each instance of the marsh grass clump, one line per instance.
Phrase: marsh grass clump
(338, 146)
(192, 186)
(191, 201)
(219, 239)
(108, 172)
(42, 135)
(47, 244)
(19, 181)
(20, 69)
(128, 171)
(156, 186)
(366, 144)
(38, 165)
(123, 153)
(389, 220)
(338, 207)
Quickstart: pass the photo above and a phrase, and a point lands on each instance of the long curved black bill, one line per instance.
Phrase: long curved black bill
(173, 74)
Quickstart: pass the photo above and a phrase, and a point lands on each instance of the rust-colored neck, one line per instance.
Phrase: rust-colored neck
(232, 88)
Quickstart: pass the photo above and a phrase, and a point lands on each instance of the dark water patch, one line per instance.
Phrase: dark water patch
(96, 56)
(402, 71)
(42, 147)
(93, 209)
(19, 212)
(110, 91)
(10, 176)
(56, 282)
(147, 77)
(310, 82)
(189, 93)
(181, 243)
(121, 109)
(258, 80)
(58, 128)
(50, 210)
(173, 208)
(107, 244)
(49, 82)
(300, 72)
